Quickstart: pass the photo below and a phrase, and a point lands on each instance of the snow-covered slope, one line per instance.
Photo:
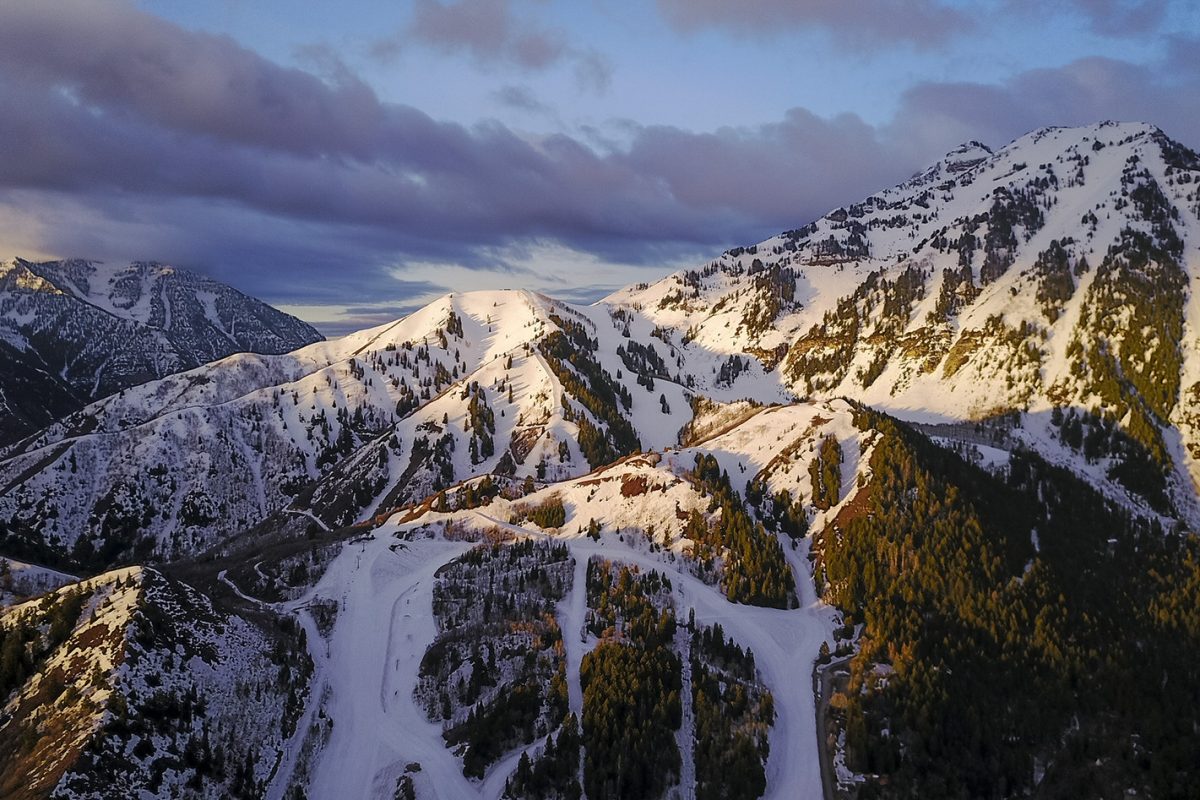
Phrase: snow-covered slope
(1050, 279)
(471, 384)
(132, 684)
(1057, 271)
(20, 580)
(75, 331)
(635, 512)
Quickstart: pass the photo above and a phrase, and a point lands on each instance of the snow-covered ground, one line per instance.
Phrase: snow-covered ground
(385, 623)
(383, 627)
(785, 645)
(19, 580)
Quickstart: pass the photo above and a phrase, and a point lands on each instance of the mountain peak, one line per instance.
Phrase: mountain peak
(77, 330)
(963, 158)
(1002, 280)
(966, 155)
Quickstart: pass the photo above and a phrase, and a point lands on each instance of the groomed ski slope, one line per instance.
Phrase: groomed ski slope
(385, 622)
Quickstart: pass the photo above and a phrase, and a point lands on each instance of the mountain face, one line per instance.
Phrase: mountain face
(941, 442)
(130, 683)
(1051, 279)
(75, 331)
(1056, 272)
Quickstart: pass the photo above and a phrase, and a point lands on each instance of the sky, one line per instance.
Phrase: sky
(349, 162)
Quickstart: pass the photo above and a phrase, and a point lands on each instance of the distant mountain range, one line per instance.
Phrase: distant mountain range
(72, 332)
(942, 444)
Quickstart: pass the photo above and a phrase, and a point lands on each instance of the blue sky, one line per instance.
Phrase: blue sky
(699, 79)
(349, 162)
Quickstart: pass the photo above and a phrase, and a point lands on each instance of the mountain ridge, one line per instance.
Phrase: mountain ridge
(75, 331)
(963, 295)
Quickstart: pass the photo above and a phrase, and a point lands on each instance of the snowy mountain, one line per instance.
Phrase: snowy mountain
(1053, 273)
(941, 443)
(129, 683)
(74, 331)
(1050, 278)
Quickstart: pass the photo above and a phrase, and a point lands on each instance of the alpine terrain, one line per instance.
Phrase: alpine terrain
(75, 331)
(900, 503)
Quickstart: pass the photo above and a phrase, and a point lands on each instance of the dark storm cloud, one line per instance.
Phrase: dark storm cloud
(279, 259)
(423, 176)
(116, 100)
(111, 57)
(918, 22)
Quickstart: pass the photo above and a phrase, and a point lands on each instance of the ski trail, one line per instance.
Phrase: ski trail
(223, 578)
(572, 611)
(303, 512)
(686, 735)
(386, 624)
(497, 775)
(319, 653)
(374, 662)
(785, 644)
(783, 641)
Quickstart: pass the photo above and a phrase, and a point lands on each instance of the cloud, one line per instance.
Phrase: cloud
(917, 22)
(920, 23)
(1082, 92)
(492, 33)
(486, 29)
(520, 98)
(128, 137)
(1183, 56)
(112, 58)
(111, 100)
(407, 297)
(593, 71)
(481, 27)
(1117, 17)
(779, 173)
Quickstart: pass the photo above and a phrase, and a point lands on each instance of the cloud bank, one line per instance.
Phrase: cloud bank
(127, 136)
